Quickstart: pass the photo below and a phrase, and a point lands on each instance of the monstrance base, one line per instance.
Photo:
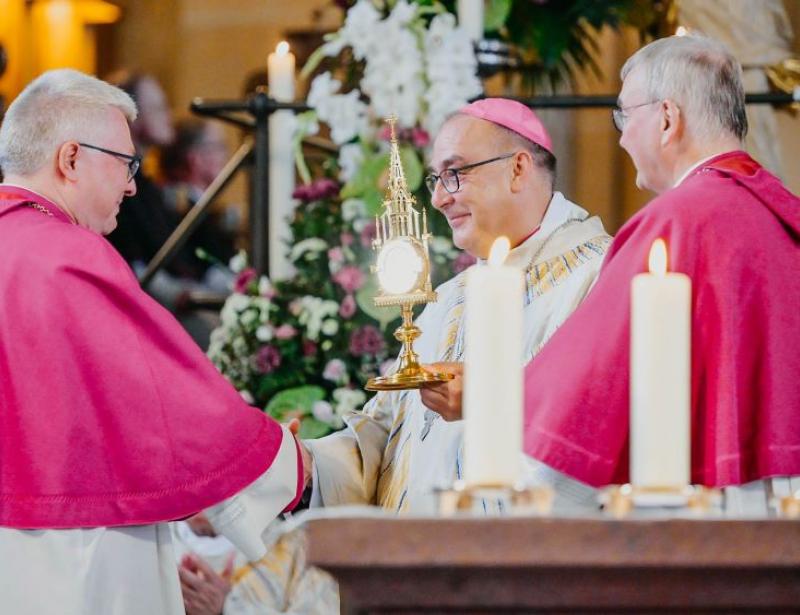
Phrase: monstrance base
(401, 381)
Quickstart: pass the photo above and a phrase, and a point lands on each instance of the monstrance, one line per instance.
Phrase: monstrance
(403, 271)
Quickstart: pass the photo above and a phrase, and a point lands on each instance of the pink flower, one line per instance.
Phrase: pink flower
(335, 370)
(268, 359)
(346, 239)
(316, 190)
(335, 255)
(420, 137)
(366, 340)
(348, 308)
(285, 332)
(368, 234)
(350, 278)
(309, 348)
(245, 278)
(463, 261)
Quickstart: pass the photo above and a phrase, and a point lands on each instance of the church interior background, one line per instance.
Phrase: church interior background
(208, 48)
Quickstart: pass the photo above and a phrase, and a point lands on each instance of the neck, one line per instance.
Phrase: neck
(44, 187)
(698, 151)
(532, 211)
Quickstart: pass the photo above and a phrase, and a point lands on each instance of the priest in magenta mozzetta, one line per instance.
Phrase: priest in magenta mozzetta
(734, 229)
(112, 421)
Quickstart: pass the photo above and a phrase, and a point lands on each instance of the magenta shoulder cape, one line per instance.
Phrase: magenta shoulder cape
(109, 413)
(735, 230)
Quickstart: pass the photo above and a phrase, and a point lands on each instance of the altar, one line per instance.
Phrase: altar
(546, 565)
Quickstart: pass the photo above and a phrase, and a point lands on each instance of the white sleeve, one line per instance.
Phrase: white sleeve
(244, 517)
(347, 463)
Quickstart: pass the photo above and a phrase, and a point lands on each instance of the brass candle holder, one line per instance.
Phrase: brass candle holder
(403, 271)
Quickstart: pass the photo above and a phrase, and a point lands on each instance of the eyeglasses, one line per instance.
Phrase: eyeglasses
(133, 161)
(620, 117)
(449, 177)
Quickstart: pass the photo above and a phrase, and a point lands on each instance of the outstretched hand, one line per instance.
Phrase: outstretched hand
(444, 397)
(204, 590)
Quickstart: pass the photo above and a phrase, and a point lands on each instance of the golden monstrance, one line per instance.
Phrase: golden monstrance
(403, 271)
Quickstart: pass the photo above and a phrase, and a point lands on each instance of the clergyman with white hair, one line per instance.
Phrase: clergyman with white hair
(112, 421)
(734, 229)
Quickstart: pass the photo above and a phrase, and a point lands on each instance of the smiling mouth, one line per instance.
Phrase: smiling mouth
(457, 220)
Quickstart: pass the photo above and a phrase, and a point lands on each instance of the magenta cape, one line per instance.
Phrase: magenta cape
(735, 230)
(109, 413)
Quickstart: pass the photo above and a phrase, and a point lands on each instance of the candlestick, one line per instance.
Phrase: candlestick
(470, 18)
(280, 67)
(493, 372)
(660, 375)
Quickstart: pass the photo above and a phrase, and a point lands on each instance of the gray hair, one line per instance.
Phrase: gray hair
(56, 107)
(701, 76)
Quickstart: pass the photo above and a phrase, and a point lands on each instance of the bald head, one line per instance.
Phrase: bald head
(493, 185)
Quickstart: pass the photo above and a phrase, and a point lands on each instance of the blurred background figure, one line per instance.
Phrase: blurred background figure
(189, 165)
(179, 165)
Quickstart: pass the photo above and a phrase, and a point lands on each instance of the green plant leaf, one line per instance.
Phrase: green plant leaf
(311, 428)
(294, 403)
(367, 177)
(412, 166)
(365, 300)
(497, 12)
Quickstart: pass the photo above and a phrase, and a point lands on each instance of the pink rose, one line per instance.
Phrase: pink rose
(366, 340)
(346, 239)
(309, 348)
(368, 234)
(268, 359)
(245, 278)
(420, 137)
(348, 308)
(285, 332)
(335, 255)
(350, 278)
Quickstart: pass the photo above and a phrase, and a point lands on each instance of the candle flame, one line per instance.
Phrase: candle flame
(657, 262)
(499, 251)
(282, 49)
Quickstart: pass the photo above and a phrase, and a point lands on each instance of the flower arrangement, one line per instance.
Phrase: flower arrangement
(305, 347)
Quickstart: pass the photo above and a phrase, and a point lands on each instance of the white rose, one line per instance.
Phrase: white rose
(330, 327)
(264, 333)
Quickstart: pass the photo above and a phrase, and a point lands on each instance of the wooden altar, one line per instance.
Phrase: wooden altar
(558, 565)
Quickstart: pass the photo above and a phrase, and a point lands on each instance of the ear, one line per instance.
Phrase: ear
(67, 160)
(521, 168)
(672, 122)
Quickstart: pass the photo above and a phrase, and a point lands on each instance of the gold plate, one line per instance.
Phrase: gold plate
(401, 382)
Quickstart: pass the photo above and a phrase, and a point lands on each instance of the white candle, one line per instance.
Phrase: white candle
(280, 73)
(470, 17)
(660, 374)
(280, 68)
(493, 372)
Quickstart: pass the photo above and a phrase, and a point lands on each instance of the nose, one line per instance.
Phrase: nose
(440, 198)
(130, 189)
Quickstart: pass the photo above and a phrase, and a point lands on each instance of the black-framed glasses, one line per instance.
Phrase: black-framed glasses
(133, 161)
(449, 177)
(620, 115)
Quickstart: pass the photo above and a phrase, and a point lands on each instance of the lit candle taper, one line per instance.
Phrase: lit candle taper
(493, 372)
(660, 374)
(280, 68)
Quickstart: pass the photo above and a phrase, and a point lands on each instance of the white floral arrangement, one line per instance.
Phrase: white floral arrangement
(304, 348)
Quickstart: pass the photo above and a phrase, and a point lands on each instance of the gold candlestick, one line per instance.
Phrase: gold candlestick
(403, 270)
